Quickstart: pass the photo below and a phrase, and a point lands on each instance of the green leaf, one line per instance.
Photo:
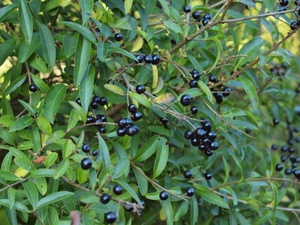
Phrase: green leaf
(62, 168)
(128, 5)
(102, 51)
(129, 189)
(114, 88)
(9, 176)
(141, 99)
(31, 193)
(165, 6)
(7, 48)
(181, 210)
(205, 89)
(85, 32)
(173, 26)
(148, 149)
(220, 50)
(141, 180)
(11, 194)
(86, 8)
(194, 212)
(68, 148)
(73, 119)
(41, 184)
(251, 91)
(24, 163)
(82, 56)
(121, 167)
(6, 10)
(42, 173)
(18, 205)
(86, 88)
(21, 123)
(44, 125)
(27, 50)
(104, 152)
(37, 63)
(113, 49)
(14, 85)
(122, 23)
(7, 120)
(54, 96)
(161, 158)
(168, 210)
(27, 106)
(79, 109)
(50, 159)
(249, 51)
(210, 197)
(26, 21)
(48, 45)
(57, 135)
(54, 197)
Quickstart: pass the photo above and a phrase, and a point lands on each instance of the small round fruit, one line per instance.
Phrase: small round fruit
(212, 78)
(190, 191)
(186, 8)
(297, 2)
(132, 108)
(90, 119)
(296, 173)
(163, 195)
(103, 101)
(118, 189)
(274, 147)
(284, 158)
(105, 198)
(121, 132)
(148, 58)
(122, 123)
(132, 130)
(247, 130)
(208, 176)
(110, 217)
(200, 133)
(211, 135)
(128, 122)
(195, 71)
(283, 2)
(96, 98)
(86, 147)
(276, 121)
(205, 21)
(94, 105)
(205, 141)
(219, 97)
(187, 174)
(140, 89)
(196, 76)
(279, 167)
(188, 134)
(101, 117)
(288, 171)
(139, 59)
(226, 91)
(194, 109)
(193, 83)
(33, 88)
(196, 15)
(206, 125)
(137, 116)
(101, 130)
(185, 99)
(163, 120)
(78, 101)
(95, 153)
(203, 147)
(86, 163)
(209, 152)
(118, 37)
(195, 141)
(155, 59)
(294, 25)
(214, 145)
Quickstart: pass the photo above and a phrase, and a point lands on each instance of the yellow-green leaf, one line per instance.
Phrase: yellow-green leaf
(114, 88)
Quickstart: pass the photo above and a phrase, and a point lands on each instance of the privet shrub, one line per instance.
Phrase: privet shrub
(149, 112)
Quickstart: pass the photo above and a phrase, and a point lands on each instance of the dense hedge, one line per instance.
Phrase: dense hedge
(149, 112)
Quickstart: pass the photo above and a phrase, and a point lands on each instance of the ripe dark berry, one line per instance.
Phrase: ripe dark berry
(200, 133)
(296, 173)
(148, 58)
(195, 71)
(288, 171)
(196, 15)
(274, 147)
(103, 101)
(284, 148)
(101, 117)
(196, 76)
(206, 142)
(155, 59)
(294, 25)
(163, 120)
(33, 88)
(247, 130)
(190, 191)
(132, 130)
(283, 2)
(105, 198)
(118, 189)
(208, 176)
(137, 116)
(94, 105)
(186, 8)
(128, 122)
(297, 2)
(187, 174)
(284, 158)
(78, 101)
(96, 98)
(194, 109)
(206, 125)
(90, 119)
(276, 121)
(188, 134)
(226, 91)
(203, 147)
(186, 99)
(121, 132)
(195, 142)
(193, 83)
(140, 89)
(122, 123)
(101, 130)
(294, 165)
(211, 135)
(86, 147)
(110, 217)
(139, 58)
(292, 149)
(95, 153)
(86, 163)
(279, 167)
(163, 195)
(118, 37)
(207, 16)
(205, 21)
(212, 78)
(209, 152)
(132, 108)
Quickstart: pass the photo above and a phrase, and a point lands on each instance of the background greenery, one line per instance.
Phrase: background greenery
(68, 50)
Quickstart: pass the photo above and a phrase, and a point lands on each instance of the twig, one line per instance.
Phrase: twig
(13, 184)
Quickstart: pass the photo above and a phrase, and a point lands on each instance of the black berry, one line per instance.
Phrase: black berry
(32, 88)
(296, 173)
(103, 101)
(279, 167)
(105, 198)
(132, 108)
(78, 101)
(140, 89)
(148, 58)
(86, 163)
(137, 116)
(211, 135)
(187, 174)
(185, 99)
(209, 152)
(195, 141)
(118, 37)
(94, 105)
(193, 83)
(283, 2)
(205, 21)
(200, 133)
(190, 191)
(101, 130)
(186, 8)
(226, 91)
(110, 217)
(208, 176)
(276, 121)
(163, 195)
(86, 147)
(121, 132)
(274, 147)
(95, 152)
(294, 25)
(118, 189)
(101, 117)
(188, 134)
(194, 109)
(196, 15)
(155, 59)
(163, 120)
(139, 58)
(96, 98)
(212, 78)
(132, 130)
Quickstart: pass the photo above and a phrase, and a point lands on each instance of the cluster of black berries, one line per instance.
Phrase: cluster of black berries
(99, 120)
(283, 4)
(203, 138)
(153, 59)
(126, 126)
(288, 156)
(279, 70)
(97, 100)
(86, 163)
(135, 114)
(205, 19)
(219, 94)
